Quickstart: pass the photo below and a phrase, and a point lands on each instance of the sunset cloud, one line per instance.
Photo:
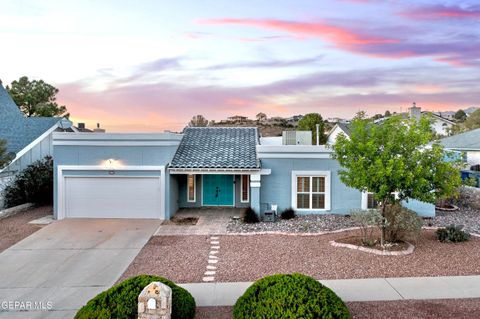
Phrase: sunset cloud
(443, 12)
(457, 53)
(330, 33)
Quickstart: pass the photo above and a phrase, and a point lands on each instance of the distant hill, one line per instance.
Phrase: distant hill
(265, 129)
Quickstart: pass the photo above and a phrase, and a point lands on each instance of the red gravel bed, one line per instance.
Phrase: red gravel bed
(182, 259)
(416, 309)
(213, 313)
(248, 258)
(404, 309)
(16, 227)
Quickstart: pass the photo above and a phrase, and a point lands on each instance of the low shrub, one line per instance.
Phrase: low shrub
(32, 185)
(290, 296)
(250, 216)
(120, 301)
(402, 224)
(368, 220)
(452, 234)
(288, 213)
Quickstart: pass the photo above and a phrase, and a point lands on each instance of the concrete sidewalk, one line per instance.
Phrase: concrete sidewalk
(372, 289)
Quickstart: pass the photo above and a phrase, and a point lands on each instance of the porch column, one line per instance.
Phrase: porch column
(255, 193)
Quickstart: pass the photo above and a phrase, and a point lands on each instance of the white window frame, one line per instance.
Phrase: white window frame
(241, 189)
(365, 199)
(326, 175)
(194, 189)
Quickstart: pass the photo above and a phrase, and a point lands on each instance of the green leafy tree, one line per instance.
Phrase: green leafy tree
(36, 98)
(387, 113)
(393, 158)
(5, 157)
(460, 115)
(473, 121)
(309, 123)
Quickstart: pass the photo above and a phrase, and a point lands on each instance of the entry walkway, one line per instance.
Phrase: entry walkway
(211, 221)
(371, 289)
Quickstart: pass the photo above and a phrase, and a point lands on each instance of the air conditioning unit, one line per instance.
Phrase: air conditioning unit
(297, 138)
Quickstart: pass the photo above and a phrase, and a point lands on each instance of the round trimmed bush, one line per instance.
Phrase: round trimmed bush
(289, 296)
(120, 301)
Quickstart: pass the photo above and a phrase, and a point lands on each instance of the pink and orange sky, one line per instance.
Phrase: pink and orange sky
(152, 65)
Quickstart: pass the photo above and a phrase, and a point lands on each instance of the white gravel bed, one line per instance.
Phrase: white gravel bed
(468, 217)
(299, 224)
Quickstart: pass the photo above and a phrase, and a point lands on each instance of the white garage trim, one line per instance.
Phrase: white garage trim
(61, 182)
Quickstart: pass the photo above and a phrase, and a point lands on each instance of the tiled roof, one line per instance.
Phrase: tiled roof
(217, 148)
(18, 130)
(465, 141)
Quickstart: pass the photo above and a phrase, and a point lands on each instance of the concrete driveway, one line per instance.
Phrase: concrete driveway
(67, 263)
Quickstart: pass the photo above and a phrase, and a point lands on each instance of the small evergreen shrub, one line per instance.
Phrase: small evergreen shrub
(290, 296)
(288, 213)
(120, 301)
(251, 216)
(32, 185)
(452, 234)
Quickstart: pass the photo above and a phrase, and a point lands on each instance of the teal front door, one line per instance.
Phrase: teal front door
(217, 190)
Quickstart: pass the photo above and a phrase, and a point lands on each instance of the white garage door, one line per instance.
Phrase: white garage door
(112, 197)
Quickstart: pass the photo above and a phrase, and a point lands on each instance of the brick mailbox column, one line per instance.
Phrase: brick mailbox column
(155, 302)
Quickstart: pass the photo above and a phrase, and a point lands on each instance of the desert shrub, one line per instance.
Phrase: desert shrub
(32, 185)
(120, 301)
(288, 213)
(289, 296)
(368, 220)
(452, 234)
(250, 216)
(402, 224)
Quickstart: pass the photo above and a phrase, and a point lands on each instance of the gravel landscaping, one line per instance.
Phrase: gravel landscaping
(404, 309)
(16, 227)
(299, 224)
(181, 259)
(248, 258)
(468, 217)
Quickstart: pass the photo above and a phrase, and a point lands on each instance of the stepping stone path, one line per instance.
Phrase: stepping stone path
(209, 274)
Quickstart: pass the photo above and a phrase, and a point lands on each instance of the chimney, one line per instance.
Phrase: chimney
(81, 126)
(415, 112)
(98, 129)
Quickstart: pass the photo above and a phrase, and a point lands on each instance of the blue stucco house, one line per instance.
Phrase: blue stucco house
(153, 175)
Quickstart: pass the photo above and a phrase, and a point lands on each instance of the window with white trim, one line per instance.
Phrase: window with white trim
(191, 188)
(371, 201)
(311, 192)
(245, 188)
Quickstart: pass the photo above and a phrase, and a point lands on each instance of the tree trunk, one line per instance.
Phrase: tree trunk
(383, 232)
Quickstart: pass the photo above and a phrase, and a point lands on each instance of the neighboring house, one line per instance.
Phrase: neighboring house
(337, 129)
(28, 138)
(468, 143)
(440, 125)
(237, 119)
(153, 175)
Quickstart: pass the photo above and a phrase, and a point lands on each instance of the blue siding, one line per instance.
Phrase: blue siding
(276, 188)
(421, 208)
(126, 155)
